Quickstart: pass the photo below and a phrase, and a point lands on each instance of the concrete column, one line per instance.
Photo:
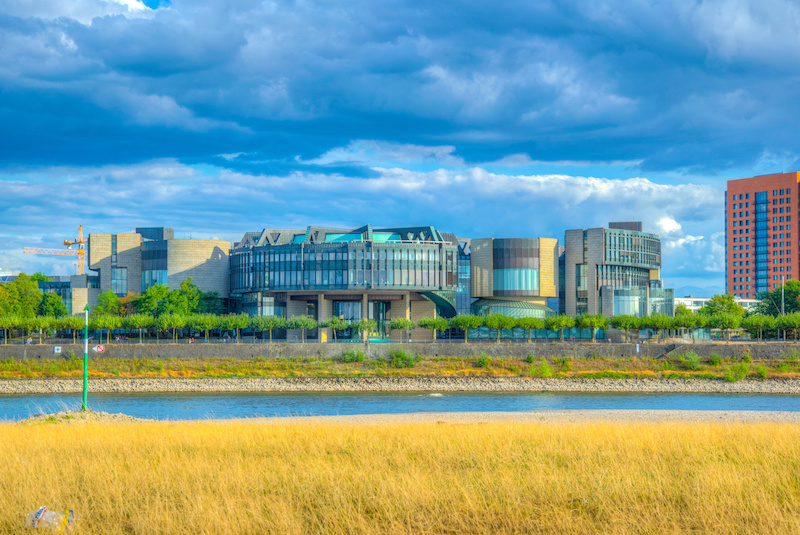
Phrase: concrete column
(364, 313)
(407, 303)
(324, 313)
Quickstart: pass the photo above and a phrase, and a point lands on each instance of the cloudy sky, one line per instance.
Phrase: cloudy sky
(486, 119)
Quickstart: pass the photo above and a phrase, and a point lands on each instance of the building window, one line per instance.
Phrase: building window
(119, 280)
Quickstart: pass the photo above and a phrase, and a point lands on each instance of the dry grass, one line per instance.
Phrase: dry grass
(256, 477)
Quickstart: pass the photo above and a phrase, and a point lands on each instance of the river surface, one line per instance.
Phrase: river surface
(199, 406)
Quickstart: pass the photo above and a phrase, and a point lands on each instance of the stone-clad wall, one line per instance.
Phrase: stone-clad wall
(206, 261)
(330, 350)
(548, 267)
(481, 268)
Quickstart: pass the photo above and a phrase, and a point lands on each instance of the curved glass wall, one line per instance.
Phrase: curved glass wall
(345, 266)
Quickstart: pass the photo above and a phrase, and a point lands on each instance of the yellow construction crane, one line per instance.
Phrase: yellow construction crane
(80, 252)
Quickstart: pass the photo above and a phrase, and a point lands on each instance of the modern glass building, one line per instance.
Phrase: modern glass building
(514, 276)
(359, 273)
(614, 271)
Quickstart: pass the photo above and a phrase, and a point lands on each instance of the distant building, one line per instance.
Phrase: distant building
(694, 304)
(760, 249)
(76, 291)
(380, 274)
(614, 271)
(135, 261)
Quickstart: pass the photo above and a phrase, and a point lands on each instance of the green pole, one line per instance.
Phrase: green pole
(85, 355)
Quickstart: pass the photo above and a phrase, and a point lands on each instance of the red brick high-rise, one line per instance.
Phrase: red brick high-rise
(761, 247)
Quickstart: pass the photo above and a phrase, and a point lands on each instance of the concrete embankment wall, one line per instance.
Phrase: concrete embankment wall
(516, 350)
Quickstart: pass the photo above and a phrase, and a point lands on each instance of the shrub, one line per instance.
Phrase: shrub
(529, 358)
(783, 367)
(746, 358)
(565, 364)
(71, 353)
(483, 360)
(544, 369)
(761, 370)
(690, 361)
(400, 359)
(792, 356)
(714, 359)
(736, 372)
(353, 356)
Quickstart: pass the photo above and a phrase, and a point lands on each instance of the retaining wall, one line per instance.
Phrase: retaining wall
(766, 351)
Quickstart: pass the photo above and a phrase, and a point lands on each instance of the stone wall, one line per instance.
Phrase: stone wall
(248, 350)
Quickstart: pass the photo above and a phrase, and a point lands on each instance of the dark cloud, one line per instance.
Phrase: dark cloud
(681, 85)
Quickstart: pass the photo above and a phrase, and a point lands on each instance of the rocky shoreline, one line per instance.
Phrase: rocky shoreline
(400, 384)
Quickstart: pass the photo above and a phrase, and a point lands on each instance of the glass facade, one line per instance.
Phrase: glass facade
(630, 301)
(629, 247)
(345, 266)
(463, 295)
(119, 280)
(154, 263)
(761, 239)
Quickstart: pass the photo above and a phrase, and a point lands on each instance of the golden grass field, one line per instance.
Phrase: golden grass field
(299, 477)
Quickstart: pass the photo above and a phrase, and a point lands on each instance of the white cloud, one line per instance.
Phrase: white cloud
(469, 202)
(81, 10)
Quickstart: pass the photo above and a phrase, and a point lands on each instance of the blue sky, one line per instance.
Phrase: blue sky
(487, 119)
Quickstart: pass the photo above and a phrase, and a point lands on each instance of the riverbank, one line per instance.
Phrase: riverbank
(401, 384)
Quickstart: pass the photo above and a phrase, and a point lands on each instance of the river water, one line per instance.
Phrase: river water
(199, 406)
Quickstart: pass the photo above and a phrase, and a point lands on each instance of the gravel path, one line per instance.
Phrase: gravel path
(400, 384)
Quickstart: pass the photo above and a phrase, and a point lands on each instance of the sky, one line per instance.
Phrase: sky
(485, 119)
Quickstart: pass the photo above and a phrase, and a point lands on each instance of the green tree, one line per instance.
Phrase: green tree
(36, 324)
(203, 323)
(722, 304)
(433, 324)
(529, 324)
(52, 305)
(499, 322)
(190, 295)
(270, 323)
(172, 321)
(401, 324)
(107, 303)
(211, 303)
(74, 323)
(789, 322)
(685, 321)
(625, 323)
(364, 326)
(559, 323)
(682, 309)
(724, 322)
(303, 323)
(150, 301)
(138, 322)
(40, 277)
(7, 323)
(335, 324)
(756, 324)
(466, 322)
(594, 322)
(23, 296)
(771, 301)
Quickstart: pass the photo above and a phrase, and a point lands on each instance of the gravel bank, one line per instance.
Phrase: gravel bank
(400, 384)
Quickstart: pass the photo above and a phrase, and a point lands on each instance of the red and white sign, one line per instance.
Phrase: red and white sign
(99, 349)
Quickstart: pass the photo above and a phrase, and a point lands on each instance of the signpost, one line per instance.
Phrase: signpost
(85, 355)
